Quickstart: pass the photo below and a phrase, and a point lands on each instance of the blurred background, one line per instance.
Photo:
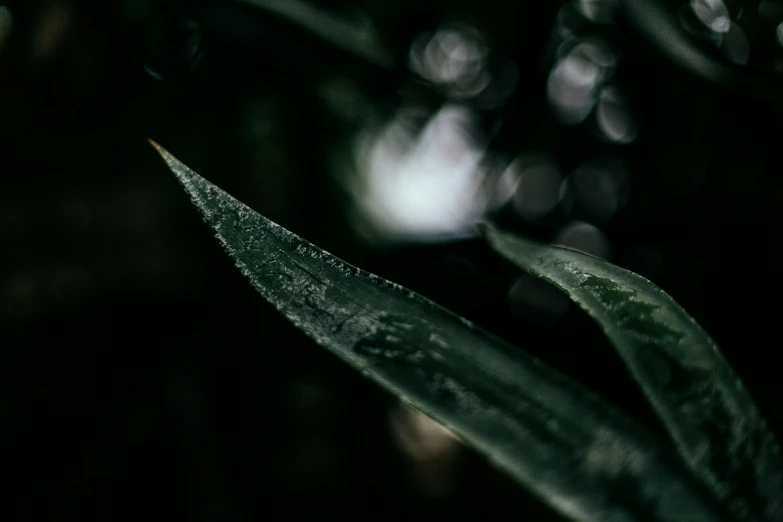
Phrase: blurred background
(142, 376)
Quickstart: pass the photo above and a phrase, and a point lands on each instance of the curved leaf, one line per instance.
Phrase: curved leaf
(568, 446)
(658, 23)
(701, 401)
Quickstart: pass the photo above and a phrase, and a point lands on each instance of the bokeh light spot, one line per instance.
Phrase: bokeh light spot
(537, 301)
(585, 238)
(614, 116)
(713, 14)
(573, 83)
(537, 190)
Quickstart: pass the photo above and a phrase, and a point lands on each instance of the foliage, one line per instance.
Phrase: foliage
(569, 446)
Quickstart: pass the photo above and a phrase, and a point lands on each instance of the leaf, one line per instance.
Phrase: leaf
(568, 446)
(659, 23)
(701, 401)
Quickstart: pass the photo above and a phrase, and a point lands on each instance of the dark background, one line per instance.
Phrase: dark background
(142, 376)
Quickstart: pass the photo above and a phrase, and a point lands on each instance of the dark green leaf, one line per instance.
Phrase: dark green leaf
(568, 446)
(701, 401)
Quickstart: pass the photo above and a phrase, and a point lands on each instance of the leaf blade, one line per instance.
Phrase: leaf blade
(712, 420)
(565, 444)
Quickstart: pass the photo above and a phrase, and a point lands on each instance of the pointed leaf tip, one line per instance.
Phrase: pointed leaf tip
(157, 147)
(163, 152)
(176, 166)
(195, 186)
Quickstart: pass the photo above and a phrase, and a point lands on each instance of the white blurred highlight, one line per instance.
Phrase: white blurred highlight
(425, 186)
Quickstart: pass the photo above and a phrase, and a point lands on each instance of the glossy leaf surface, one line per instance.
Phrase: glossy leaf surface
(568, 446)
(701, 401)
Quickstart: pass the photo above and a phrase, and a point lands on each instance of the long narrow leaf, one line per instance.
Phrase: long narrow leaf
(568, 446)
(704, 406)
